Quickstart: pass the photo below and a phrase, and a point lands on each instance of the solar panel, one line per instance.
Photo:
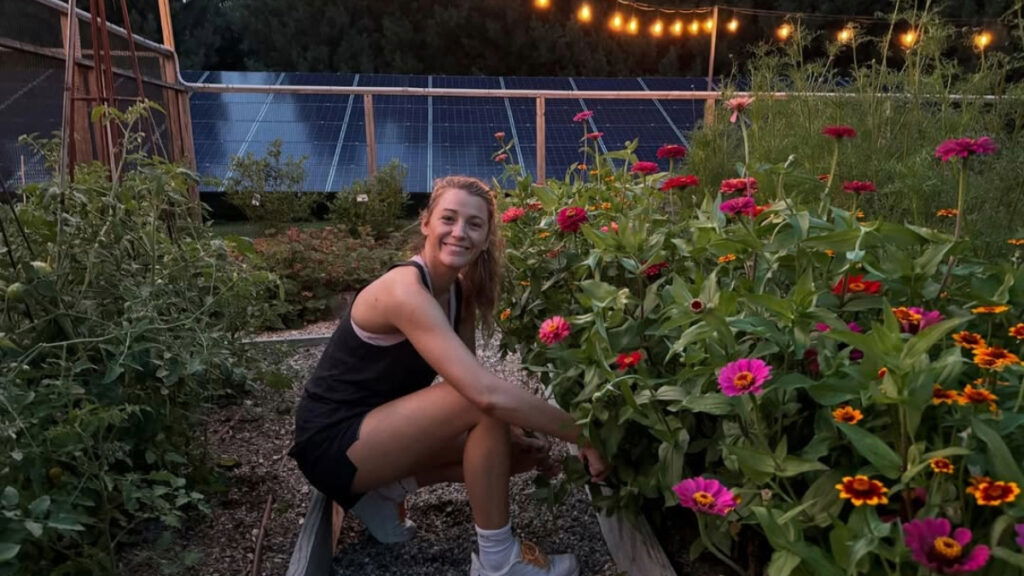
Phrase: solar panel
(607, 84)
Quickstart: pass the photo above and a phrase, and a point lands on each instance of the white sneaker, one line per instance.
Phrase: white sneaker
(529, 560)
(384, 518)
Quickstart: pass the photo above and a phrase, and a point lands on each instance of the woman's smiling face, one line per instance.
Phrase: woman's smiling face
(456, 229)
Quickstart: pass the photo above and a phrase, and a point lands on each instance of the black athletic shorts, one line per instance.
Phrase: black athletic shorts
(323, 460)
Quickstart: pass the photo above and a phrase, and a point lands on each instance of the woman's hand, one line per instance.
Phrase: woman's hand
(531, 451)
(594, 463)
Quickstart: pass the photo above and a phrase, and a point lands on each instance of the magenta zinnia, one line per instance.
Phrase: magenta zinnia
(570, 219)
(679, 182)
(744, 376)
(839, 132)
(743, 205)
(1020, 535)
(732, 185)
(670, 151)
(581, 116)
(932, 546)
(553, 330)
(965, 147)
(859, 187)
(644, 168)
(594, 135)
(705, 495)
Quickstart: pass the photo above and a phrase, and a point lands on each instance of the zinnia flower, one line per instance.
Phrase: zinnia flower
(947, 212)
(1017, 331)
(1015, 241)
(989, 309)
(499, 135)
(856, 285)
(534, 207)
(974, 395)
(679, 182)
(670, 151)
(612, 226)
(1020, 534)
(744, 376)
(732, 185)
(705, 495)
(506, 313)
(859, 187)
(988, 492)
(994, 358)
(512, 214)
(737, 105)
(848, 414)
(581, 116)
(932, 546)
(742, 205)
(627, 360)
(571, 218)
(969, 340)
(942, 396)
(553, 330)
(696, 306)
(726, 258)
(965, 147)
(501, 157)
(655, 269)
(913, 319)
(594, 135)
(942, 466)
(839, 132)
(644, 168)
(862, 490)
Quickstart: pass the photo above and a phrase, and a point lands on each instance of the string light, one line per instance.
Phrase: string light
(657, 29)
(845, 36)
(908, 38)
(709, 25)
(542, 4)
(615, 22)
(677, 27)
(695, 27)
(634, 26)
(982, 40)
(584, 14)
(733, 25)
(784, 32)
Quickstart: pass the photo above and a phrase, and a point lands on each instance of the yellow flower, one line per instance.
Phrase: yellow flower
(848, 414)
(943, 396)
(974, 395)
(942, 466)
(990, 309)
(994, 358)
(726, 258)
(992, 493)
(969, 340)
(862, 490)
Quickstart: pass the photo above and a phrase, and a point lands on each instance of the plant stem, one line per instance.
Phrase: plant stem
(961, 185)
(714, 549)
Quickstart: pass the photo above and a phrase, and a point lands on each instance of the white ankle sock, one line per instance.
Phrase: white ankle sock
(496, 547)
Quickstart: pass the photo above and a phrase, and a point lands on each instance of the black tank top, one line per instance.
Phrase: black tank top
(354, 376)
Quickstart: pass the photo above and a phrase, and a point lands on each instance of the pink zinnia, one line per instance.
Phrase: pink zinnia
(742, 205)
(671, 151)
(571, 218)
(512, 214)
(501, 157)
(553, 330)
(594, 135)
(859, 187)
(580, 117)
(744, 376)
(964, 147)
(705, 495)
(737, 105)
(839, 131)
(612, 226)
(679, 182)
(655, 269)
(499, 135)
(732, 185)
(644, 168)
(1020, 534)
(932, 546)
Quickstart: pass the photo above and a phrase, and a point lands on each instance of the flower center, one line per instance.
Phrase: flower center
(861, 484)
(743, 380)
(857, 287)
(995, 491)
(703, 499)
(947, 548)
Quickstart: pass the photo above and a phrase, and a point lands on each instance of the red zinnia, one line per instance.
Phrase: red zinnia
(501, 157)
(655, 269)
(627, 360)
(856, 285)
(732, 185)
(839, 131)
(512, 214)
(964, 147)
(859, 187)
(594, 135)
(672, 151)
(679, 182)
(644, 168)
(571, 218)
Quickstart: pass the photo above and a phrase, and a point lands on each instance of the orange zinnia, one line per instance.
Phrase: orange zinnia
(862, 490)
(947, 213)
(942, 466)
(969, 340)
(943, 396)
(1017, 331)
(980, 396)
(1016, 241)
(994, 358)
(992, 493)
(848, 414)
(726, 258)
(990, 309)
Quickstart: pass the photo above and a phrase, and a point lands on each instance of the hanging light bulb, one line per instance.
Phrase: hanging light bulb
(695, 27)
(784, 32)
(542, 4)
(733, 25)
(677, 27)
(908, 38)
(845, 36)
(709, 25)
(657, 28)
(634, 26)
(982, 40)
(584, 14)
(615, 22)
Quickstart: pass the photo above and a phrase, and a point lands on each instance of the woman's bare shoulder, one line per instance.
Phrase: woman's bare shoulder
(389, 293)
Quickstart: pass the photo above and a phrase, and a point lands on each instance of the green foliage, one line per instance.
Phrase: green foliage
(376, 204)
(269, 189)
(850, 313)
(316, 267)
(121, 319)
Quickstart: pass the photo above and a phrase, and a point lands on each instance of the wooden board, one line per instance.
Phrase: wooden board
(314, 550)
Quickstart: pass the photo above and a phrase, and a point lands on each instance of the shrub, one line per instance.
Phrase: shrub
(316, 267)
(121, 319)
(377, 204)
(269, 189)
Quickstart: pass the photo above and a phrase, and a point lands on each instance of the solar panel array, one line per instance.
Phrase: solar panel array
(433, 136)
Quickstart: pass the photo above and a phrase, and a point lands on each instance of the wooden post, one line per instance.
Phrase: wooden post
(371, 135)
(165, 23)
(709, 104)
(541, 143)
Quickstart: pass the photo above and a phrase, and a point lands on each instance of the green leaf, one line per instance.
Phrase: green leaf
(717, 404)
(782, 564)
(1013, 558)
(758, 465)
(873, 449)
(925, 339)
(10, 497)
(34, 528)
(1004, 466)
(8, 551)
(39, 506)
(793, 466)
